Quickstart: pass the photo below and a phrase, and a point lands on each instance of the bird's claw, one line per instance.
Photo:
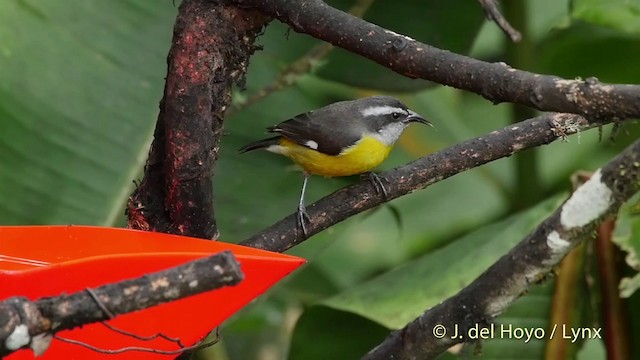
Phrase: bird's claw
(376, 181)
(303, 218)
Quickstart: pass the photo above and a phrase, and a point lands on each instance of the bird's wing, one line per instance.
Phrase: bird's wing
(318, 130)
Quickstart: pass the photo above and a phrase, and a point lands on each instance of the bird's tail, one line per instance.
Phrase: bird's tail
(260, 144)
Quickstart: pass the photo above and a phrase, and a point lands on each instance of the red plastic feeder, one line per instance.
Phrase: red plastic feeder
(39, 261)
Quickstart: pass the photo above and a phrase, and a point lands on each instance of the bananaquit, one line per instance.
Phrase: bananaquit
(341, 139)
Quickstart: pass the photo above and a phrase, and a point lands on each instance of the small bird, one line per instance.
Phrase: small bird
(341, 139)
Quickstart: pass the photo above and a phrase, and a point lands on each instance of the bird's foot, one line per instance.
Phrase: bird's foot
(303, 218)
(376, 181)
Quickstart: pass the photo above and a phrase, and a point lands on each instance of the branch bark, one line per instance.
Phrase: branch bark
(421, 173)
(496, 82)
(526, 264)
(25, 323)
(210, 52)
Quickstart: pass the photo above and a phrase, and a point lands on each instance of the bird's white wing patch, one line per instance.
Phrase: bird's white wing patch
(311, 144)
(382, 110)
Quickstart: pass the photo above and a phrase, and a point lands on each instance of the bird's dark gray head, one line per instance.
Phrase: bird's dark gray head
(386, 117)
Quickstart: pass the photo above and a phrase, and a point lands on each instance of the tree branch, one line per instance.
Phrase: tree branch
(421, 173)
(210, 51)
(526, 264)
(493, 13)
(303, 66)
(496, 82)
(24, 323)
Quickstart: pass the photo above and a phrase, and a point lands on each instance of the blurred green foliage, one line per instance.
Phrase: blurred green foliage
(79, 88)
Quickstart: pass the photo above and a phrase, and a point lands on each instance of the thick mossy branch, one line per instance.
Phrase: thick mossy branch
(210, 51)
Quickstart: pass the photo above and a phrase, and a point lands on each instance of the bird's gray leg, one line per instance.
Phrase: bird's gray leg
(376, 181)
(302, 215)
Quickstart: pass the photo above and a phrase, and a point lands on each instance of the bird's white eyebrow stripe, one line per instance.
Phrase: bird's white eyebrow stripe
(382, 110)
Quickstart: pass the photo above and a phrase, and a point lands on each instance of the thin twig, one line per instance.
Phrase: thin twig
(198, 346)
(493, 13)
(290, 75)
(168, 338)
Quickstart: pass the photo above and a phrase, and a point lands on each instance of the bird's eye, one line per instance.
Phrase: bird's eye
(395, 115)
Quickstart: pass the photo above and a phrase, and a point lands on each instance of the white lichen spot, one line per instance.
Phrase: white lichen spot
(559, 248)
(515, 128)
(193, 284)
(40, 343)
(557, 244)
(396, 34)
(571, 87)
(171, 294)
(18, 338)
(586, 204)
(572, 127)
(131, 290)
(607, 88)
(500, 304)
(160, 283)
(563, 82)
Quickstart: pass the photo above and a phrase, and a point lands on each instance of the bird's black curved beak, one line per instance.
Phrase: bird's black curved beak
(415, 117)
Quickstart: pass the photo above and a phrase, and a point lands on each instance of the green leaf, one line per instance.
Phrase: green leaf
(311, 284)
(324, 333)
(584, 50)
(593, 349)
(450, 25)
(263, 327)
(400, 295)
(622, 15)
(627, 236)
(79, 89)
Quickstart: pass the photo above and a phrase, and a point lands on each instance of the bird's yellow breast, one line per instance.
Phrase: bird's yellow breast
(365, 155)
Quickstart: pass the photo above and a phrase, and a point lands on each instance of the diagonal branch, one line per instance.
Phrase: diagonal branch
(421, 173)
(25, 323)
(526, 264)
(496, 82)
(493, 13)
